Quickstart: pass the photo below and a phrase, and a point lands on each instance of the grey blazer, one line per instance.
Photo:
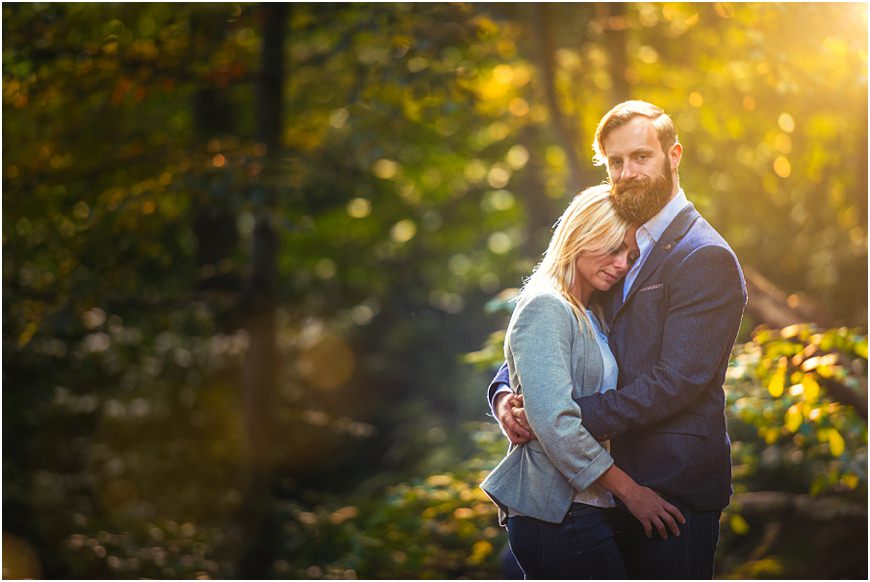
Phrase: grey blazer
(552, 362)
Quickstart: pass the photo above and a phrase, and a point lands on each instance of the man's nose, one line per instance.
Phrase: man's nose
(628, 171)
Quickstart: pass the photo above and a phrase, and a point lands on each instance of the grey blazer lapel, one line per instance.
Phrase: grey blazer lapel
(673, 233)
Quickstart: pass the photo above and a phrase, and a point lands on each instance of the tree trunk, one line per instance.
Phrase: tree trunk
(771, 305)
(541, 210)
(566, 134)
(260, 371)
(214, 219)
(615, 38)
(774, 504)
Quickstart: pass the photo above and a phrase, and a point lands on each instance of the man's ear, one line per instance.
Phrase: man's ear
(676, 155)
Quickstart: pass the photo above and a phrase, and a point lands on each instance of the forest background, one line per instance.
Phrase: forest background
(256, 259)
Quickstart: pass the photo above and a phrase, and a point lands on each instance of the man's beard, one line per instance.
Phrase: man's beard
(639, 199)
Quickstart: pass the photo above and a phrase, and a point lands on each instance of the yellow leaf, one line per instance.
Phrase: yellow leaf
(838, 445)
(793, 418)
(791, 331)
(479, 551)
(777, 382)
(463, 513)
(27, 334)
(810, 363)
(438, 480)
(811, 389)
(861, 348)
(850, 481)
(738, 524)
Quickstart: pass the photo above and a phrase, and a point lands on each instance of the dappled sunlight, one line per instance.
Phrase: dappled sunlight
(327, 362)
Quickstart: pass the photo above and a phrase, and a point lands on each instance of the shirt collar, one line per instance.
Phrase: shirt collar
(655, 226)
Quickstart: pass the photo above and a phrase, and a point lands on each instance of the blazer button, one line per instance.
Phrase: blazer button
(669, 246)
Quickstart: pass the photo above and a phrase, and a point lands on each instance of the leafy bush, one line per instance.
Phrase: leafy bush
(438, 526)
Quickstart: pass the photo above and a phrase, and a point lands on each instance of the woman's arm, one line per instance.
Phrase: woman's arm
(644, 504)
(539, 346)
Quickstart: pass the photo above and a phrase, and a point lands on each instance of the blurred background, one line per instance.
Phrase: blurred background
(256, 261)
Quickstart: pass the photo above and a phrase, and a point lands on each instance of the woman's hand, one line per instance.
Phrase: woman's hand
(518, 411)
(651, 510)
(517, 431)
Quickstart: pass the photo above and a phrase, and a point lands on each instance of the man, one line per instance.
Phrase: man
(673, 321)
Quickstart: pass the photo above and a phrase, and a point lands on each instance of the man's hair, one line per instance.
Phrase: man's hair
(625, 112)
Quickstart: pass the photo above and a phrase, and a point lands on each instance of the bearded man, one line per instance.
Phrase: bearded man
(672, 323)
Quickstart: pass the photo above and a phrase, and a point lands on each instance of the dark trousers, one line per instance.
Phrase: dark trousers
(688, 557)
(582, 547)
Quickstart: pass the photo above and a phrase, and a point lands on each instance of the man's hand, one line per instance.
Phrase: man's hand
(514, 426)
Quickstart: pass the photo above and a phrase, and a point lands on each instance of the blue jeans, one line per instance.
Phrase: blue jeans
(688, 557)
(582, 547)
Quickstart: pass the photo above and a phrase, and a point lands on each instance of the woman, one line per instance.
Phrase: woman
(553, 492)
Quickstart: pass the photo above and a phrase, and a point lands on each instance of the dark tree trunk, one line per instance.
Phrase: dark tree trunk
(214, 220)
(615, 39)
(566, 134)
(260, 372)
(541, 210)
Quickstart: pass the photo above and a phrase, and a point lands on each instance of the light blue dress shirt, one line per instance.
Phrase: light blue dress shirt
(650, 232)
(611, 371)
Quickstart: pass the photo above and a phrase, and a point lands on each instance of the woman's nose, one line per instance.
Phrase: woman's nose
(621, 262)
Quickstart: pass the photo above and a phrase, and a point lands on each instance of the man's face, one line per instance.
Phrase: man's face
(640, 172)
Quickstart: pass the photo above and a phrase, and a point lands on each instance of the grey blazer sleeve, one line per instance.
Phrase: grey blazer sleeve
(706, 303)
(541, 344)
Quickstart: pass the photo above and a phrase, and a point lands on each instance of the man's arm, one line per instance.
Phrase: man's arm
(500, 384)
(499, 395)
(707, 297)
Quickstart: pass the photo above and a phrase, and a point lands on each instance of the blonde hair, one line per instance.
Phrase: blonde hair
(590, 225)
(625, 112)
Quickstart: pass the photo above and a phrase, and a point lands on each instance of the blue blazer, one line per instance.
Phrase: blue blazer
(672, 338)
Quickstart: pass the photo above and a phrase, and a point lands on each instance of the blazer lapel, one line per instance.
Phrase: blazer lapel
(673, 233)
(611, 301)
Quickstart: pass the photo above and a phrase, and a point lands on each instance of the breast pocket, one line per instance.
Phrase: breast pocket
(651, 293)
(645, 315)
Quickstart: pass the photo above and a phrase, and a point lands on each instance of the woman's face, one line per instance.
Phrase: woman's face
(601, 271)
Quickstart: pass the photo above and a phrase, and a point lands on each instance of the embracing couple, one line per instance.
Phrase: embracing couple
(611, 396)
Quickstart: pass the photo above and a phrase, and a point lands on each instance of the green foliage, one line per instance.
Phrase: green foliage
(784, 421)
(791, 404)
(437, 527)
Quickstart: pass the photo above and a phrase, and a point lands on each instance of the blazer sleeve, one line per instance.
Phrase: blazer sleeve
(540, 342)
(707, 297)
(501, 380)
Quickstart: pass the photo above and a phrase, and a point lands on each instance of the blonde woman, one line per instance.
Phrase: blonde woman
(554, 493)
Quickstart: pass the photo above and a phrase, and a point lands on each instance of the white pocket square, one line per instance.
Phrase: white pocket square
(651, 287)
